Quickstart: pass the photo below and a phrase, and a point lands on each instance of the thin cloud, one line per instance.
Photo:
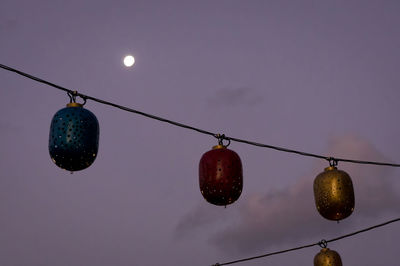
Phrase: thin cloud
(277, 217)
(201, 216)
(235, 97)
(8, 24)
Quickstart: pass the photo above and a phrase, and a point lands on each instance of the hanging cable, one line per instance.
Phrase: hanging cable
(218, 136)
(321, 243)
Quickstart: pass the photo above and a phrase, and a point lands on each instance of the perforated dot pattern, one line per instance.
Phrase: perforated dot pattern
(327, 257)
(334, 194)
(74, 138)
(220, 176)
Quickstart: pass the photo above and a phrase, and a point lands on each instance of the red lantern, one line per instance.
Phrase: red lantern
(220, 176)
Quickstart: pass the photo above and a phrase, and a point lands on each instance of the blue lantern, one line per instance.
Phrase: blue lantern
(74, 137)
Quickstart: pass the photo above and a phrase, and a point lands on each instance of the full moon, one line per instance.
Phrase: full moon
(129, 60)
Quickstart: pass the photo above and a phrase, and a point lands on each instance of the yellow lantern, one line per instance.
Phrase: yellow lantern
(333, 193)
(327, 257)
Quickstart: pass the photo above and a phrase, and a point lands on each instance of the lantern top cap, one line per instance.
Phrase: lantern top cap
(219, 147)
(330, 168)
(74, 105)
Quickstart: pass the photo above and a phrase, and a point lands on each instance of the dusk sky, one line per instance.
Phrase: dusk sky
(317, 76)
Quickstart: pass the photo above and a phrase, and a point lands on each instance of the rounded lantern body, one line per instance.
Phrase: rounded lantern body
(220, 176)
(327, 257)
(74, 138)
(334, 194)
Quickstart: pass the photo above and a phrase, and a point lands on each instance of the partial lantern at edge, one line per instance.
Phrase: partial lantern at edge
(74, 138)
(334, 194)
(220, 176)
(327, 257)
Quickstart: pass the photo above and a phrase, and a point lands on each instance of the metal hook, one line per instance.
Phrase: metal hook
(332, 161)
(84, 99)
(221, 139)
(70, 97)
(74, 94)
(323, 243)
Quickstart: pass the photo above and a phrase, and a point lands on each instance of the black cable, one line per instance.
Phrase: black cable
(220, 137)
(265, 255)
(323, 242)
(148, 115)
(363, 230)
(106, 102)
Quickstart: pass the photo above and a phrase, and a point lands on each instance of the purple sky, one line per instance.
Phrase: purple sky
(318, 76)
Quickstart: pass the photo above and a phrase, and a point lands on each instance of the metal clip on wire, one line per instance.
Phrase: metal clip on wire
(72, 97)
(332, 161)
(323, 243)
(221, 139)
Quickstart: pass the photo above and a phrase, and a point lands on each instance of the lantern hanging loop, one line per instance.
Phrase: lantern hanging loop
(333, 162)
(72, 97)
(323, 243)
(221, 139)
